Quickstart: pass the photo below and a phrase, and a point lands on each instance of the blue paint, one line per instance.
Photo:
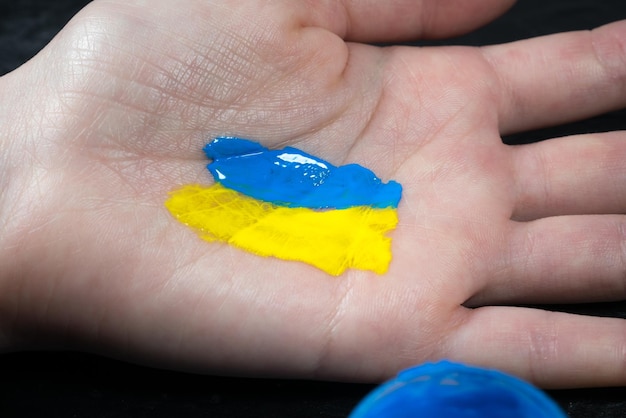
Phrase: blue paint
(448, 389)
(290, 177)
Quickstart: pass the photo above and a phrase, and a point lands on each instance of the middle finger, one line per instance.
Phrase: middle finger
(582, 174)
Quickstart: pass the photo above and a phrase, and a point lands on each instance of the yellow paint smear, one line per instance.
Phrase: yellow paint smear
(332, 240)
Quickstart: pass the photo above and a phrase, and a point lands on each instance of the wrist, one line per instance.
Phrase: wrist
(13, 173)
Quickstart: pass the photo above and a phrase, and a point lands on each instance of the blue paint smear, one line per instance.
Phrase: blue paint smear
(290, 177)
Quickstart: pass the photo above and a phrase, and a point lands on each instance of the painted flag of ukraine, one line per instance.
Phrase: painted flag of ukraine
(291, 205)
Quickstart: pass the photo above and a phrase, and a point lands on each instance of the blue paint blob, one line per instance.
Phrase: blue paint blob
(292, 178)
(448, 389)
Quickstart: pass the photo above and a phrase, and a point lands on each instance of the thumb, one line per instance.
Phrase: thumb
(394, 20)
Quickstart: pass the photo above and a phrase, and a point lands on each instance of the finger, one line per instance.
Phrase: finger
(582, 174)
(371, 21)
(565, 259)
(550, 349)
(560, 78)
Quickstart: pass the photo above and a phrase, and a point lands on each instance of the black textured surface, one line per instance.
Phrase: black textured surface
(79, 385)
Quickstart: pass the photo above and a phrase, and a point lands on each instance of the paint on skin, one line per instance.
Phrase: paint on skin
(292, 205)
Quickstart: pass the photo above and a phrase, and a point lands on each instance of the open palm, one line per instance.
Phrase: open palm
(113, 115)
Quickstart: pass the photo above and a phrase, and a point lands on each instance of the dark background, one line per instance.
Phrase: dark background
(81, 385)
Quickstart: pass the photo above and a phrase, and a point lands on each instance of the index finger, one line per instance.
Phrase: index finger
(560, 78)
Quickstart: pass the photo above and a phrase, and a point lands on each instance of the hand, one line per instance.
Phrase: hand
(113, 114)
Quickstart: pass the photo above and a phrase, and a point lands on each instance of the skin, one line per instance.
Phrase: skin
(112, 115)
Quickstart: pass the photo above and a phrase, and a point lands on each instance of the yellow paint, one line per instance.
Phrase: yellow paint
(332, 240)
